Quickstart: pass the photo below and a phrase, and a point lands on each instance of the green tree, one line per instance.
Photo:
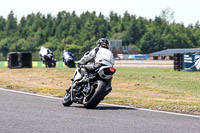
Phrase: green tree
(11, 24)
(2, 23)
(167, 15)
(4, 46)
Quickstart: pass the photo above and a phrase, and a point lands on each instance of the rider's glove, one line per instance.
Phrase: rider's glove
(79, 62)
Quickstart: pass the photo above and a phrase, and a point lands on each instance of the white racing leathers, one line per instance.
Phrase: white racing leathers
(100, 55)
(67, 56)
(45, 51)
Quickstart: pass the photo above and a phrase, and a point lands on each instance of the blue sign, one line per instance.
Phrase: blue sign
(139, 56)
(191, 61)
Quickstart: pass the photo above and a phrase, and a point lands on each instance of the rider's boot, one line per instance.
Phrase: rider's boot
(108, 89)
(67, 94)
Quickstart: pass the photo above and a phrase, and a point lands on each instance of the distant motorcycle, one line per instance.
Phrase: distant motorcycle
(89, 93)
(49, 61)
(70, 62)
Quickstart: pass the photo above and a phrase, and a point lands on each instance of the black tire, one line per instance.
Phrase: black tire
(98, 95)
(46, 64)
(54, 64)
(50, 64)
(72, 64)
(67, 101)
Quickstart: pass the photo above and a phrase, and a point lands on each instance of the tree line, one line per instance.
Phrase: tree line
(78, 33)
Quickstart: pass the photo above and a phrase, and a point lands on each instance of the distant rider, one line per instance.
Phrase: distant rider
(67, 56)
(45, 54)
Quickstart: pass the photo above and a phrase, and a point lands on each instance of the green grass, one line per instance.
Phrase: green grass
(154, 88)
(157, 88)
(162, 78)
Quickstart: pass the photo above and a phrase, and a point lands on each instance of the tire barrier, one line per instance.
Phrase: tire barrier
(19, 60)
(178, 61)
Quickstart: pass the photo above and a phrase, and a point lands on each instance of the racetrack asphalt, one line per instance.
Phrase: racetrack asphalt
(23, 113)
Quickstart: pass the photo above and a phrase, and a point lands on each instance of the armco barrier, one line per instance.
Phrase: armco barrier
(118, 63)
(3, 63)
(34, 64)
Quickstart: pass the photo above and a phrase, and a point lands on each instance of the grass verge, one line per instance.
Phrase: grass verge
(154, 88)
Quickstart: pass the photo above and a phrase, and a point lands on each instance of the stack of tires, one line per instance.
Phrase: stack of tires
(178, 61)
(20, 60)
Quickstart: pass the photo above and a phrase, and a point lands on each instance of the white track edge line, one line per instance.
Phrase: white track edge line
(29, 93)
(150, 110)
(124, 106)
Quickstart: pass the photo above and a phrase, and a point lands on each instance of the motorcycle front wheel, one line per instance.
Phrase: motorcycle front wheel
(67, 99)
(98, 93)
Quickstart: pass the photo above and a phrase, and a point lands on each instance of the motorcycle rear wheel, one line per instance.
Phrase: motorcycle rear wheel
(97, 95)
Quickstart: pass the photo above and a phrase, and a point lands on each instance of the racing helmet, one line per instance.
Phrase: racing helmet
(43, 47)
(103, 42)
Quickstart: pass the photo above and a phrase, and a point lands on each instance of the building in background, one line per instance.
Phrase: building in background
(168, 54)
(117, 48)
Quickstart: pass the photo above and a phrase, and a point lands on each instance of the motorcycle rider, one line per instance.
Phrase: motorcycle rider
(45, 54)
(102, 56)
(67, 56)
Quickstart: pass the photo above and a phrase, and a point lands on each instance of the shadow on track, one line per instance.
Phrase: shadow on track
(105, 107)
(112, 108)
